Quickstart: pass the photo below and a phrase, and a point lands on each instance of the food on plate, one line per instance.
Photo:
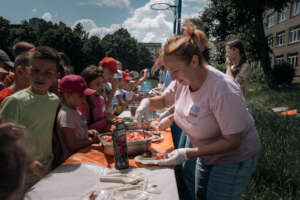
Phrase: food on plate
(130, 136)
(93, 196)
(150, 156)
(160, 156)
(128, 119)
(147, 154)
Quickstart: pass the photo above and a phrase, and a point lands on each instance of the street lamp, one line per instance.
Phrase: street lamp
(177, 12)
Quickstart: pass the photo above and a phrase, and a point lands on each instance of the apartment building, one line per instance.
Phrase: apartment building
(152, 47)
(283, 32)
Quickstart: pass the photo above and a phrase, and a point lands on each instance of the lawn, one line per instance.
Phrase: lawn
(277, 176)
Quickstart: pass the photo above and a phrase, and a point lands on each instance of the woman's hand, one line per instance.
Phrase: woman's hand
(176, 157)
(143, 109)
(165, 123)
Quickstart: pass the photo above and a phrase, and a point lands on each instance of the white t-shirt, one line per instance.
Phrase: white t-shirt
(106, 90)
(70, 118)
(217, 108)
(127, 95)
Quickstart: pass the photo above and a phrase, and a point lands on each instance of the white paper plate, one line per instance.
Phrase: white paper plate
(146, 162)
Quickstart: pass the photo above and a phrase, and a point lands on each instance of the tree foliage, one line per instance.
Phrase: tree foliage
(243, 19)
(76, 43)
(127, 50)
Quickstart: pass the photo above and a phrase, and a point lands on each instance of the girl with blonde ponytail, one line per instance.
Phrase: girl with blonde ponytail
(211, 110)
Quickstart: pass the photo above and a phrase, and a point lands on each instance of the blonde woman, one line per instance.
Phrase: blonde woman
(211, 110)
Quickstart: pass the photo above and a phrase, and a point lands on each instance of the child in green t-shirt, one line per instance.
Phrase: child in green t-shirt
(35, 107)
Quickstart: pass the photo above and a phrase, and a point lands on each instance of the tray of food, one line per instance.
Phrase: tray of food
(137, 141)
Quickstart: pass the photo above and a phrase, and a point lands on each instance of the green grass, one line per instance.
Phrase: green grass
(277, 176)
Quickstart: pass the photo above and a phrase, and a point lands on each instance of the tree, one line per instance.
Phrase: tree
(93, 51)
(245, 19)
(4, 34)
(127, 50)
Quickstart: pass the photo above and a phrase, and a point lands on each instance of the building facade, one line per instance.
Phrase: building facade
(283, 33)
(152, 47)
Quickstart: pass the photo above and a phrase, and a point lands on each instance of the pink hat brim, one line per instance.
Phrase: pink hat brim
(89, 91)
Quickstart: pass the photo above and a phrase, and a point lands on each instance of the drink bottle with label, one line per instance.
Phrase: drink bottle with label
(120, 146)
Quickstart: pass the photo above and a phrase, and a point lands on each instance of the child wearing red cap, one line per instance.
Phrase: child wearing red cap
(71, 125)
(110, 85)
(94, 108)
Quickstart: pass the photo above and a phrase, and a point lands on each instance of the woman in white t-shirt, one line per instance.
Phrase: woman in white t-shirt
(211, 110)
(236, 63)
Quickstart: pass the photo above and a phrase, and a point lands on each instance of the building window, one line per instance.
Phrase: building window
(280, 38)
(271, 20)
(293, 60)
(295, 9)
(279, 60)
(270, 40)
(294, 35)
(282, 15)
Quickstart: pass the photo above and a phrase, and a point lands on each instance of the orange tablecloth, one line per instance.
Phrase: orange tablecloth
(94, 155)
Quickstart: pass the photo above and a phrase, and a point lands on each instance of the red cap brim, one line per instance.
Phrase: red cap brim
(89, 91)
(127, 78)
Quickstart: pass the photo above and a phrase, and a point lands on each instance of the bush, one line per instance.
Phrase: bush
(277, 175)
(283, 74)
(220, 67)
(257, 75)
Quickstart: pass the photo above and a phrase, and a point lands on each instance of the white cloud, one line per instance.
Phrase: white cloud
(196, 1)
(93, 30)
(34, 10)
(148, 25)
(47, 16)
(145, 24)
(109, 3)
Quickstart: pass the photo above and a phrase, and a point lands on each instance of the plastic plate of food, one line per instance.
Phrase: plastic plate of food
(149, 159)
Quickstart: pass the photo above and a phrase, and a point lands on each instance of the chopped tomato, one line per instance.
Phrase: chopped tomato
(130, 136)
(160, 156)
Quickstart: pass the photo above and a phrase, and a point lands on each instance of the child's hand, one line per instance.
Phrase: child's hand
(94, 135)
(135, 96)
(145, 73)
(92, 132)
(12, 130)
(38, 169)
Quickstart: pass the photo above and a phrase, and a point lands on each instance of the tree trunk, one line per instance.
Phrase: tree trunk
(263, 49)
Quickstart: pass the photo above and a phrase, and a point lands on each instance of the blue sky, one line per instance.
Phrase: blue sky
(100, 17)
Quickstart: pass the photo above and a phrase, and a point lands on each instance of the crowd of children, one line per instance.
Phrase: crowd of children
(52, 111)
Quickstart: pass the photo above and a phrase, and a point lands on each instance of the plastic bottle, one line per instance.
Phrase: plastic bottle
(120, 146)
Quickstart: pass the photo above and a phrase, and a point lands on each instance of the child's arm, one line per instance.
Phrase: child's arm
(126, 103)
(99, 114)
(98, 125)
(114, 85)
(71, 142)
(139, 81)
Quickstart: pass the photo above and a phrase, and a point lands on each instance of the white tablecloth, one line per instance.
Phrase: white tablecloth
(71, 182)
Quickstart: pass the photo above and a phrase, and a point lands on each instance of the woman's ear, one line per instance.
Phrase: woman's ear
(195, 61)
